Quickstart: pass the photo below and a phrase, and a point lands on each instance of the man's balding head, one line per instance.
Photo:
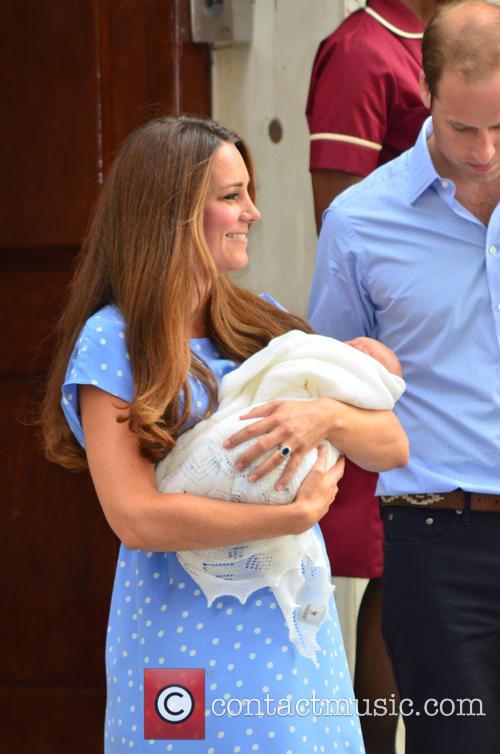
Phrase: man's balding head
(462, 37)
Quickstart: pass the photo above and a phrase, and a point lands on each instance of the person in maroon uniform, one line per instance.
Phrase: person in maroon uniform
(364, 108)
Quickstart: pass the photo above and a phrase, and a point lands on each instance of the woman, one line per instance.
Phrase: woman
(151, 326)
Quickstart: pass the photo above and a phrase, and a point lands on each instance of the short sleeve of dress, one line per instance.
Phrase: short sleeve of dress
(271, 300)
(99, 358)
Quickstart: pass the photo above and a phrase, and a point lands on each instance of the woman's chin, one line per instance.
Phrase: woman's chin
(236, 265)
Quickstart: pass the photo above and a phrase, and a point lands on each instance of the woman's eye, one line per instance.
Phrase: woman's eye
(232, 197)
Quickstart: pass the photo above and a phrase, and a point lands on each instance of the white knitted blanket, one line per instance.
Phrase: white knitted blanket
(293, 366)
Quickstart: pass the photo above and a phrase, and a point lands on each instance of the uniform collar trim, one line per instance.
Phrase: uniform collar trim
(396, 17)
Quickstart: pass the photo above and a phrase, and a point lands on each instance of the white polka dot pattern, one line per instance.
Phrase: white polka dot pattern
(159, 618)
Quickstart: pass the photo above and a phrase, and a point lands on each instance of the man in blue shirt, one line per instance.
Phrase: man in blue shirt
(411, 256)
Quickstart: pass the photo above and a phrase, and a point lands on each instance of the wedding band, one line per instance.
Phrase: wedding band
(285, 450)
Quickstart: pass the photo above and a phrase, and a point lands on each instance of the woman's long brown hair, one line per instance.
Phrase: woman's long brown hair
(145, 242)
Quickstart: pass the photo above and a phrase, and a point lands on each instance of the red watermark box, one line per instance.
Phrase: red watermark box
(174, 703)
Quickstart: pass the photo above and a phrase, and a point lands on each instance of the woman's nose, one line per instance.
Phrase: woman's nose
(251, 213)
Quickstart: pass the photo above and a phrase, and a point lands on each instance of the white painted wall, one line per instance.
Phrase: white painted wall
(251, 86)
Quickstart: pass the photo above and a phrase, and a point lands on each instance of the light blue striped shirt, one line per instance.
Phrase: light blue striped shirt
(399, 259)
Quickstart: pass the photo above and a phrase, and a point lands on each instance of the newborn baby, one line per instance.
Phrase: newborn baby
(296, 366)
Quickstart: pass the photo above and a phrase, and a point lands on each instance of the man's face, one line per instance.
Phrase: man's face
(465, 145)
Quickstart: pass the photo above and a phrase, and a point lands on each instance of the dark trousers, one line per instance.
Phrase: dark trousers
(441, 623)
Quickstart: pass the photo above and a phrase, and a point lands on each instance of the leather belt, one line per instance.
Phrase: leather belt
(454, 500)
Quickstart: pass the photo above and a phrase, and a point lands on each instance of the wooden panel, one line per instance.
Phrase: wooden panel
(132, 60)
(45, 720)
(59, 558)
(48, 140)
(77, 76)
(33, 284)
(139, 66)
(150, 66)
(194, 70)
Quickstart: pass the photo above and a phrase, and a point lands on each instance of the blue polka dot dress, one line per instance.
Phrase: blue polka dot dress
(160, 619)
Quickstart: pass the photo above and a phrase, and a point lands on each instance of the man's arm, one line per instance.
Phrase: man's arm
(326, 185)
(347, 111)
(339, 304)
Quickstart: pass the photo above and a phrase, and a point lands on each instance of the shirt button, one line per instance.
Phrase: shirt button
(444, 184)
(492, 250)
(429, 521)
(498, 307)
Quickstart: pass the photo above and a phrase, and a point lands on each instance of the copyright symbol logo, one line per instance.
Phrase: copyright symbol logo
(174, 703)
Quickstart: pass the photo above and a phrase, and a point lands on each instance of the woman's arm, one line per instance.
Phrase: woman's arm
(372, 439)
(144, 518)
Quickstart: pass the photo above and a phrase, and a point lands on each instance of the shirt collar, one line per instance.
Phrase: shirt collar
(422, 172)
(396, 17)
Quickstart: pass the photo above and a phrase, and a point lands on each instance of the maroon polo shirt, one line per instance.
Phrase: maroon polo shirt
(364, 106)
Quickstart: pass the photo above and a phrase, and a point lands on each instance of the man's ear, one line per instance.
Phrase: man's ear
(424, 91)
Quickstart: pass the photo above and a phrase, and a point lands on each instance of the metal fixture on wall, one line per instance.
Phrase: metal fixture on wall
(222, 22)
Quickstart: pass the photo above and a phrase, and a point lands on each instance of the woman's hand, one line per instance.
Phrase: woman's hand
(379, 352)
(372, 439)
(319, 488)
(146, 519)
(300, 425)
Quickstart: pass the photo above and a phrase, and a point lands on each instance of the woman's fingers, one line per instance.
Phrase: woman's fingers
(271, 463)
(290, 469)
(337, 471)
(255, 429)
(262, 446)
(320, 463)
(294, 463)
(265, 410)
(332, 476)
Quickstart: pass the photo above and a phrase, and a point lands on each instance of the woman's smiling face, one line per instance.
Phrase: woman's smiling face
(229, 210)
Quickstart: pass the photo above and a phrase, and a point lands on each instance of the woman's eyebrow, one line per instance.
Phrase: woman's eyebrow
(232, 185)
